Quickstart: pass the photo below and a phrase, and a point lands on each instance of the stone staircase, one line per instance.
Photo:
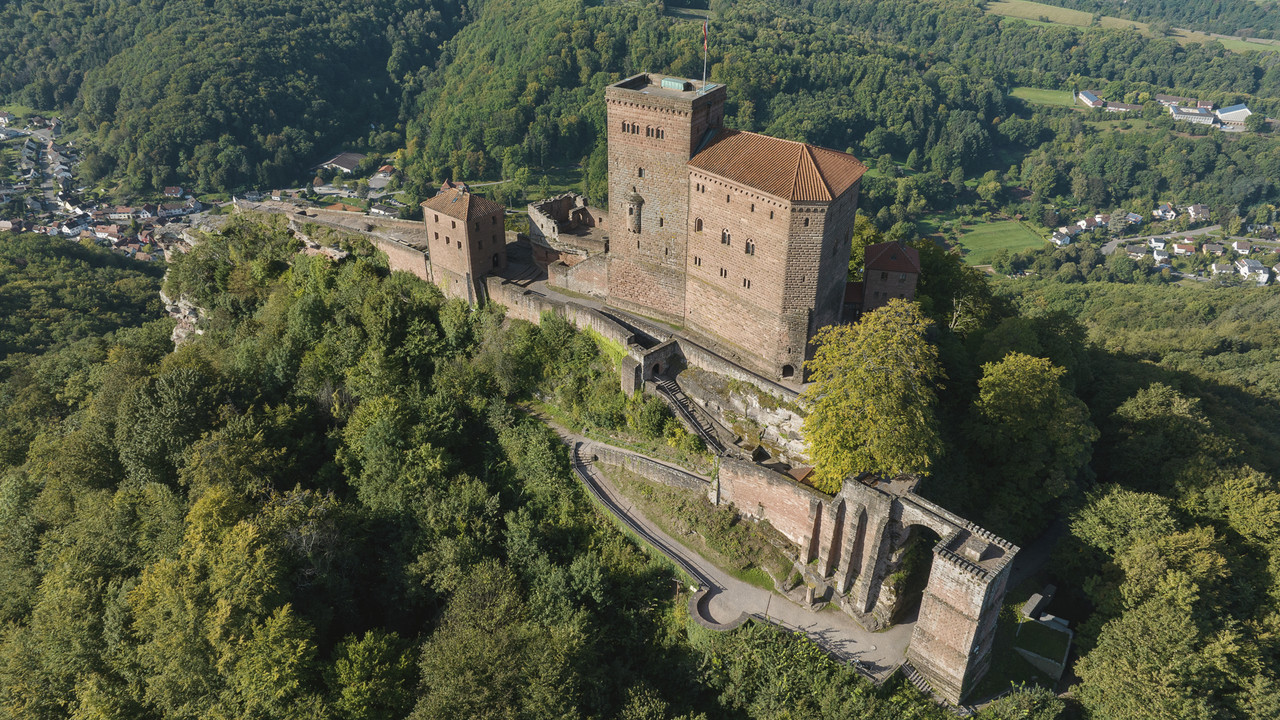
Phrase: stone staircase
(914, 677)
(684, 408)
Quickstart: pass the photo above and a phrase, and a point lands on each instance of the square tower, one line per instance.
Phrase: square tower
(656, 124)
(466, 240)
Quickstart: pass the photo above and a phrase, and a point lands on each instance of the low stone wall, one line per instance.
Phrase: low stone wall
(646, 468)
(523, 304)
(754, 415)
(699, 356)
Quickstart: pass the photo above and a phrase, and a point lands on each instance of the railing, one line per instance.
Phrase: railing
(677, 399)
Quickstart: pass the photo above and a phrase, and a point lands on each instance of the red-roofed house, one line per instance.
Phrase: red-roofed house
(891, 270)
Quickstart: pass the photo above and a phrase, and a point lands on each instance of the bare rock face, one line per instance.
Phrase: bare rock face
(756, 418)
(186, 318)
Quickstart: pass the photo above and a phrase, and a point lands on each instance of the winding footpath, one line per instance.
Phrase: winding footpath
(724, 601)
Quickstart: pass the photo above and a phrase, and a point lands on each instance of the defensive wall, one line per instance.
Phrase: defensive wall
(854, 541)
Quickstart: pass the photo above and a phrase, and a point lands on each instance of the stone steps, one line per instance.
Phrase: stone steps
(684, 407)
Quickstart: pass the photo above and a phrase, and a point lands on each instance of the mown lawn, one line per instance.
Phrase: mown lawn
(980, 243)
(1040, 96)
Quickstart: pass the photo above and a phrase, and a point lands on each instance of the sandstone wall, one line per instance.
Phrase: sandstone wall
(587, 276)
(763, 494)
(402, 257)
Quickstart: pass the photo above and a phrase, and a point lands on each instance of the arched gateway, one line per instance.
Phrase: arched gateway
(857, 539)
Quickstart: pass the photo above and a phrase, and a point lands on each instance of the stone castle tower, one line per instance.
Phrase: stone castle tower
(739, 236)
(655, 127)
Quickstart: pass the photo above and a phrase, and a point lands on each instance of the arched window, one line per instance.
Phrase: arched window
(788, 371)
(697, 225)
(751, 247)
(724, 238)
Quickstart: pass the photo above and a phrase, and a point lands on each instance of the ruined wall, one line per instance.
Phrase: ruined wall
(751, 413)
(589, 276)
(529, 305)
(402, 257)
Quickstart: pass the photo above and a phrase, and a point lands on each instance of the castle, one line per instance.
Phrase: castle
(736, 235)
(739, 237)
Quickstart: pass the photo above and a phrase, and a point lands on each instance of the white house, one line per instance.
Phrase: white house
(1157, 243)
(1242, 246)
(1089, 99)
(1164, 212)
(1160, 255)
(1251, 269)
(1222, 268)
(1234, 115)
(1198, 212)
(1199, 116)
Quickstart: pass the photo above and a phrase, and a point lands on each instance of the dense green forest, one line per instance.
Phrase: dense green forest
(218, 95)
(331, 505)
(489, 88)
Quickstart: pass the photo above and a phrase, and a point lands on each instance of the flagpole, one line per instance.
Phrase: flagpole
(704, 52)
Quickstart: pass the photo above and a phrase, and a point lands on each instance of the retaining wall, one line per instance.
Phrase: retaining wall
(648, 469)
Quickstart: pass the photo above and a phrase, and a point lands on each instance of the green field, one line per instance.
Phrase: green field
(980, 243)
(1038, 96)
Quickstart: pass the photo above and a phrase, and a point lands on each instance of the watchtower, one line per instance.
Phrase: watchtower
(466, 240)
(656, 124)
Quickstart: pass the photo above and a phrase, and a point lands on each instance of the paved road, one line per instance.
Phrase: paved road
(878, 653)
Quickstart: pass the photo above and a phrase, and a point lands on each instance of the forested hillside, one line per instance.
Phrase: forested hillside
(221, 94)
(330, 505)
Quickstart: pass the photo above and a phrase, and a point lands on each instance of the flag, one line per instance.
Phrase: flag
(704, 36)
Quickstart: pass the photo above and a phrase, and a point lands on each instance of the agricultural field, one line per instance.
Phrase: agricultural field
(1040, 96)
(1039, 13)
(980, 243)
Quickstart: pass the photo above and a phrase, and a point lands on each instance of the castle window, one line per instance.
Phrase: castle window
(437, 236)
(746, 283)
(661, 134)
(806, 222)
(631, 211)
(725, 239)
(436, 218)
(453, 224)
(724, 273)
(902, 278)
(660, 220)
(641, 172)
(788, 371)
(637, 244)
(726, 198)
(884, 276)
(770, 214)
(697, 261)
(751, 247)
(648, 131)
(697, 225)
(753, 207)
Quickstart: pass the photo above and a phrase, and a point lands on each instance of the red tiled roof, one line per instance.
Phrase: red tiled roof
(462, 205)
(791, 170)
(892, 257)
